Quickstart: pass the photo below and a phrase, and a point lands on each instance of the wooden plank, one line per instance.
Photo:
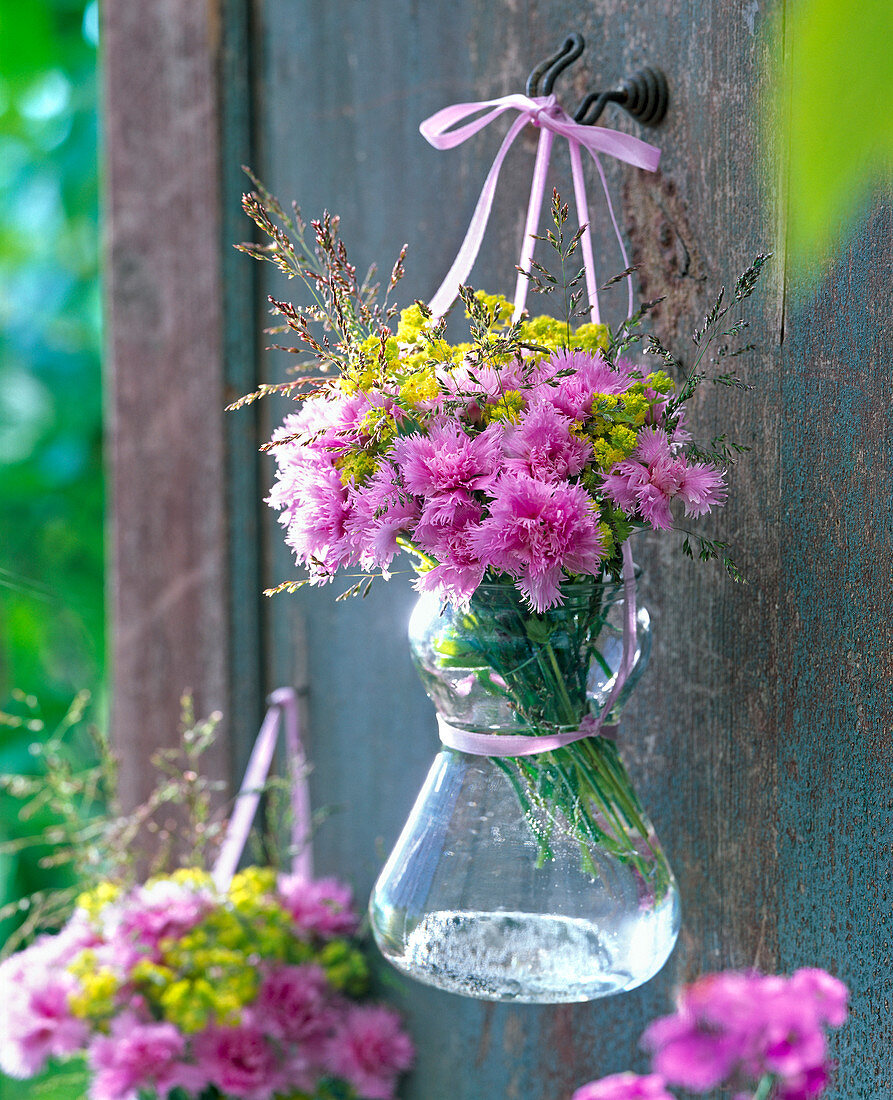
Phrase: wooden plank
(835, 846)
(177, 563)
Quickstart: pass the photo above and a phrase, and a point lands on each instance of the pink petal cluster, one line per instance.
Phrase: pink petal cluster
(506, 481)
(647, 482)
(322, 907)
(535, 531)
(624, 1086)
(241, 1061)
(136, 1056)
(282, 1039)
(544, 447)
(575, 377)
(36, 1022)
(371, 1051)
(736, 1027)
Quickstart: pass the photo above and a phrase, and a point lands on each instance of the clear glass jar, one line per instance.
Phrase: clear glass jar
(532, 879)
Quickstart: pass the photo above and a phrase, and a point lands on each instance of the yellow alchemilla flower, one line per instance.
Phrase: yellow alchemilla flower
(188, 876)
(603, 405)
(604, 529)
(545, 331)
(509, 407)
(418, 387)
(252, 882)
(636, 405)
(659, 380)
(499, 305)
(356, 467)
(591, 338)
(615, 446)
(152, 974)
(412, 322)
(94, 901)
(345, 967)
(96, 996)
(188, 1004)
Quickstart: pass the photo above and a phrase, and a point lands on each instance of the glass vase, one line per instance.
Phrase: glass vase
(534, 879)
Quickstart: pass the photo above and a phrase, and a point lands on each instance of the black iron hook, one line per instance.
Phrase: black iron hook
(644, 94)
(553, 66)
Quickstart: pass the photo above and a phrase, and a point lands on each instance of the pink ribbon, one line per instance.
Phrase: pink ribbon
(509, 744)
(546, 113)
(283, 704)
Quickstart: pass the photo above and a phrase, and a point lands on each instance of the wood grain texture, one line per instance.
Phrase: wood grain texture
(176, 550)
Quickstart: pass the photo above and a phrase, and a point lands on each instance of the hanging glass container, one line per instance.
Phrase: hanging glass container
(535, 878)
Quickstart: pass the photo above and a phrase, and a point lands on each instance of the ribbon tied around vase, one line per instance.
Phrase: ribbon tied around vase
(446, 129)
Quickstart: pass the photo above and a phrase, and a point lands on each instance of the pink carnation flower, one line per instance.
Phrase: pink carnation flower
(36, 1023)
(316, 516)
(576, 377)
(240, 1061)
(734, 1027)
(536, 530)
(370, 1051)
(447, 459)
(380, 510)
(323, 907)
(624, 1086)
(543, 446)
(158, 911)
(654, 475)
(294, 1005)
(445, 532)
(137, 1057)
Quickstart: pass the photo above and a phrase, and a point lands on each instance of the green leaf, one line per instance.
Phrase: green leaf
(833, 85)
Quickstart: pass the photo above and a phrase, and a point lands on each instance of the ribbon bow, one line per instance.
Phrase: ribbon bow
(546, 113)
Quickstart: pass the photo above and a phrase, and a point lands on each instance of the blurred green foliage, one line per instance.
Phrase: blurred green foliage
(51, 485)
(833, 114)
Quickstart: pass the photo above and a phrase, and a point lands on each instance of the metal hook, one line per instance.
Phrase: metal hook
(553, 66)
(644, 95)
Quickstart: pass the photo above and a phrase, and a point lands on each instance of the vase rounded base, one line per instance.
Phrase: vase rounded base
(527, 958)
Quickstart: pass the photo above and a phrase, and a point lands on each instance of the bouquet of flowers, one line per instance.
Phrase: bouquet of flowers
(525, 457)
(178, 989)
(512, 469)
(177, 982)
(762, 1035)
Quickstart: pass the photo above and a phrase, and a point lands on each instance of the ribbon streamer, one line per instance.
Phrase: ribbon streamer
(443, 131)
(282, 704)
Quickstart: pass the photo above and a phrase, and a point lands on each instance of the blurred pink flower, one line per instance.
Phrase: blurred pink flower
(323, 906)
(294, 1005)
(240, 1061)
(36, 1023)
(370, 1051)
(624, 1086)
(136, 1056)
(736, 1027)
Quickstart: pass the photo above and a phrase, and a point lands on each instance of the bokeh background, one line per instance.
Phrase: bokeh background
(51, 476)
